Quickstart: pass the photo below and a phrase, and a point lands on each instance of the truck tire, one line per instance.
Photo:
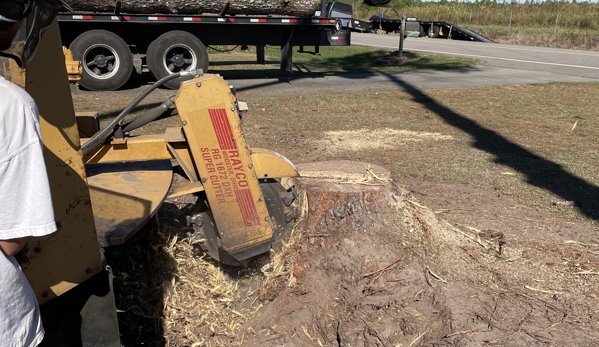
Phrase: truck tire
(434, 31)
(421, 31)
(176, 51)
(106, 59)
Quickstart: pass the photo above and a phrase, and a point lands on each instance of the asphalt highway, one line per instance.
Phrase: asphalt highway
(542, 59)
(503, 65)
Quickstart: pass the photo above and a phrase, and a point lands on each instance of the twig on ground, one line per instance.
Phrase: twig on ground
(478, 231)
(545, 303)
(552, 325)
(573, 242)
(465, 332)
(541, 290)
(380, 271)
(436, 276)
(420, 291)
(586, 273)
(417, 204)
(418, 337)
(306, 332)
(475, 239)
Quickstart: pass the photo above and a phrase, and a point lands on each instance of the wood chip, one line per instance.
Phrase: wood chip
(542, 290)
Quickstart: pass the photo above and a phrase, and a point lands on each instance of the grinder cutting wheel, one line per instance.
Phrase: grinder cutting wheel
(279, 205)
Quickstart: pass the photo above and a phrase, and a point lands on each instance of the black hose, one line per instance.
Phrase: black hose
(152, 115)
(100, 137)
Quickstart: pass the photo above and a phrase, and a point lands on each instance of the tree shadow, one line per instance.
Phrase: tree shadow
(539, 172)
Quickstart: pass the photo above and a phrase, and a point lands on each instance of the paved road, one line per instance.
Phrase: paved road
(552, 60)
(504, 65)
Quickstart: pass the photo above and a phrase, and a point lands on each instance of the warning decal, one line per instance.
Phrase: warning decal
(222, 128)
(247, 207)
(227, 176)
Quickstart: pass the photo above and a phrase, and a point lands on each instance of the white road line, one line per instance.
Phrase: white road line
(487, 57)
(520, 48)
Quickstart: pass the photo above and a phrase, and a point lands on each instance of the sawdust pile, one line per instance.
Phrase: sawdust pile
(201, 301)
(353, 140)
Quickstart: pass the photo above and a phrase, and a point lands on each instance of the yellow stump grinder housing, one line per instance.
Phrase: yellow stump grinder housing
(107, 186)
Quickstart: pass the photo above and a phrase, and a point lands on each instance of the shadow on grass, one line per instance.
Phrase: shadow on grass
(539, 171)
(366, 62)
(369, 62)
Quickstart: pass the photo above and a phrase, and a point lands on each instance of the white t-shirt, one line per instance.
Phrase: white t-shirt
(25, 210)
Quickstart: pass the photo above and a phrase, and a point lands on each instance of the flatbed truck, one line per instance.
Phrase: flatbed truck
(112, 45)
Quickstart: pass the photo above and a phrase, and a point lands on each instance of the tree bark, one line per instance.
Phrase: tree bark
(296, 8)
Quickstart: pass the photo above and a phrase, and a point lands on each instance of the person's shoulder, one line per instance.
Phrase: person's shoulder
(12, 94)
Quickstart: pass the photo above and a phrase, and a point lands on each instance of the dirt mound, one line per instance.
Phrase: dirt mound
(357, 278)
(368, 265)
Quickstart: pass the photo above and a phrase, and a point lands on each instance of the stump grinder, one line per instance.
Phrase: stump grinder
(107, 186)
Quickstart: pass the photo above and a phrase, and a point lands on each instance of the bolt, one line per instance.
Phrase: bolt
(222, 234)
(184, 122)
(266, 219)
(88, 270)
(199, 84)
(250, 166)
(45, 294)
(37, 249)
(203, 180)
(233, 108)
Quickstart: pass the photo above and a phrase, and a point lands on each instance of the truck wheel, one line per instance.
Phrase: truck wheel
(176, 51)
(434, 32)
(421, 31)
(106, 59)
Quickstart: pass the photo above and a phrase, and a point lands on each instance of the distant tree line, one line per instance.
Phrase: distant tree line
(573, 14)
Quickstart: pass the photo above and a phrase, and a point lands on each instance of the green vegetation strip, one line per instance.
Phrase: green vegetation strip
(330, 61)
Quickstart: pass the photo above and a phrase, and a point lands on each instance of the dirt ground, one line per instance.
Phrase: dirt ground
(430, 264)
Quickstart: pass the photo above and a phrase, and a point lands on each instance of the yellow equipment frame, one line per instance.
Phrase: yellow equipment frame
(212, 151)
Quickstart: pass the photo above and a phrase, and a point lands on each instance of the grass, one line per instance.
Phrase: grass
(331, 61)
(534, 143)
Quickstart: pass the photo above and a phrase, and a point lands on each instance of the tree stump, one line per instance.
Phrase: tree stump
(342, 196)
(352, 268)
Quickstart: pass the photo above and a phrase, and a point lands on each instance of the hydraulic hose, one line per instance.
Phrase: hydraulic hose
(152, 115)
(100, 137)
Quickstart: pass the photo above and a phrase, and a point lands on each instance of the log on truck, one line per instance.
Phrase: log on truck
(297, 8)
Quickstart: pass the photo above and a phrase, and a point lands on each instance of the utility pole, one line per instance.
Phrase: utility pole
(402, 30)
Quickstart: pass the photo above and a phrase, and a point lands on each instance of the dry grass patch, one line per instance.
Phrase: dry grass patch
(532, 142)
(354, 140)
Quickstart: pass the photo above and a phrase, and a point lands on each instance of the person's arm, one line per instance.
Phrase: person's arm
(13, 246)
